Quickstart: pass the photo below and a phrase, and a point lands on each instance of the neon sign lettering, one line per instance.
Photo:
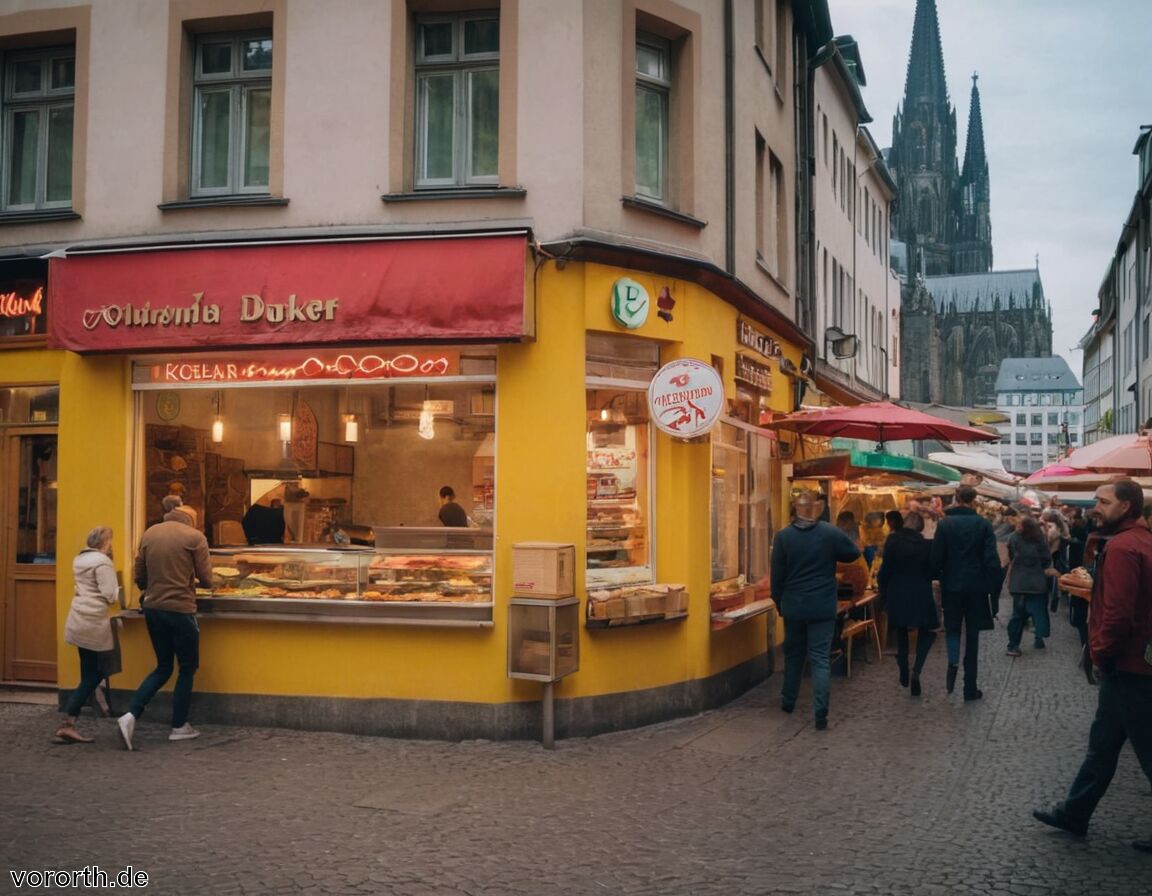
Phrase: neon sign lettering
(345, 365)
(13, 304)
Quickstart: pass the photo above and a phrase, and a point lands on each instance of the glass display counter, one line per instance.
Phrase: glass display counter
(413, 576)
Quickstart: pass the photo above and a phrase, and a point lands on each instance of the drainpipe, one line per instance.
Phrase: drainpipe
(729, 140)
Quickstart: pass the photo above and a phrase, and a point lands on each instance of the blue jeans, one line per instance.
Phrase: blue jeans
(1124, 712)
(90, 679)
(174, 635)
(811, 640)
(971, 654)
(1023, 606)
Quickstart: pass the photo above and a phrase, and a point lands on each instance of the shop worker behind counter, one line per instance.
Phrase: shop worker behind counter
(451, 513)
(804, 558)
(173, 554)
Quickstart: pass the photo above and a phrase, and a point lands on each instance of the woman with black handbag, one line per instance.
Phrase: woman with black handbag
(88, 627)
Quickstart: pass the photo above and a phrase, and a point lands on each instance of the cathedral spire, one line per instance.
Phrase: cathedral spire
(975, 162)
(925, 79)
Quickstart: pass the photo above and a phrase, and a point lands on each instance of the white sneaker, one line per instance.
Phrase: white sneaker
(127, 725)
(184, 732)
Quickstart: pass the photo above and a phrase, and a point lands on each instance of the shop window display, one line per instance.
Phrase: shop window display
(619, 491)
(741, 510)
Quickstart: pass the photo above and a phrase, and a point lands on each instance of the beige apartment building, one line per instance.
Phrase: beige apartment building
(321, 260)
(857, 293)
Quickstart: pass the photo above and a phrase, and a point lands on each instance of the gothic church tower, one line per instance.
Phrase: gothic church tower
(943, 215)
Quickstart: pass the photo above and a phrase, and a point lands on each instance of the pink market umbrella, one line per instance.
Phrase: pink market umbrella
(1054, 471)
(881, 421)
(1130, 454)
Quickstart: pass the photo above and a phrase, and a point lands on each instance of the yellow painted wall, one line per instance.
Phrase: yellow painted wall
(541, 488)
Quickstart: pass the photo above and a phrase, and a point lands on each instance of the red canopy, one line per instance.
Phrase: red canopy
(1130, 454)
(882, 421)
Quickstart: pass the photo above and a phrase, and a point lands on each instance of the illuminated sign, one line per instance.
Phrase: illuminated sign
(352, 364)
(23, 302)
(685, 398)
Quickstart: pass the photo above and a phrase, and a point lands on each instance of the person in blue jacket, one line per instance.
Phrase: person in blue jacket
(804, 558)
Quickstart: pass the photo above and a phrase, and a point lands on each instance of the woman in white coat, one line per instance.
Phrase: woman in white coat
(88, 627)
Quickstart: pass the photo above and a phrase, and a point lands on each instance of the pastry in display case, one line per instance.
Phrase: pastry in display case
(415, 565)
(616, 531)
(418, 577)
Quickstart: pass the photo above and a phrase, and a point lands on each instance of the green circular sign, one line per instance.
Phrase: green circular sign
(630, 303)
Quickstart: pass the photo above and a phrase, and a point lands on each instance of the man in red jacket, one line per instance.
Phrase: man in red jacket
(1120, 641)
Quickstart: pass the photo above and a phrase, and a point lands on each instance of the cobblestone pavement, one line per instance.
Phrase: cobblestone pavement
(899, 796)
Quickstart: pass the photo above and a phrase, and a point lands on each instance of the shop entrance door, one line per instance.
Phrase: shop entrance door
(28, 555)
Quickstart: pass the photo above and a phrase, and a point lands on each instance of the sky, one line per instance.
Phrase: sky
(1064, 88)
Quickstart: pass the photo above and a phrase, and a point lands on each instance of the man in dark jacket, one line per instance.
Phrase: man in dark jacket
(965, 561)
(173, 554)
(1120, 645)
(804, 558)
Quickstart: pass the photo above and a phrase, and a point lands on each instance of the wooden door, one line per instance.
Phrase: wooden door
(28, 490)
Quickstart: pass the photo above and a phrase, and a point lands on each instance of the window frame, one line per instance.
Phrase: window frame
(660, 86)
(462, 66)
(43, 101)
(239, 86)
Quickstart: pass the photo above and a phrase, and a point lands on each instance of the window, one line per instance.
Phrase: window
(1021, 419)
(1037, 419)
(457, 100)
(1053, 419)
(1075, 437)
(231, 121)
(619, 493)
(777, 214)
(764, 23)
(653, 108)
(39, 103)
(1034, 438)
(741, 506)
(1051, 438)
(1021, 438)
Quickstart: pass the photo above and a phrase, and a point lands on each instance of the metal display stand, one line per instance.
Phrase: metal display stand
(544, 646)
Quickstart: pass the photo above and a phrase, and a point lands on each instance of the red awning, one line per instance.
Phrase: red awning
(398, 291)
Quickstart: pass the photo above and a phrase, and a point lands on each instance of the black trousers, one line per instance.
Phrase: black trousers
(1123, 712)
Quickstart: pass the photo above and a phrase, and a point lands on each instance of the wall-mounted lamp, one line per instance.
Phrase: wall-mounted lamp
(284, 426)
(844, 345)
(611, 413)
(351, 428)
(217, 421)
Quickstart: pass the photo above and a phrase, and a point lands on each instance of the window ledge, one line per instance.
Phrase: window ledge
(222, 202)
(763, 266)
(39, 216)
(457, 193)
(656, 208)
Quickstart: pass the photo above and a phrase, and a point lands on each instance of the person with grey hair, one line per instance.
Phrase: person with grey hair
(1120, 650)
(804, 558)
(173, 555)
(88, 627)
(965, 560)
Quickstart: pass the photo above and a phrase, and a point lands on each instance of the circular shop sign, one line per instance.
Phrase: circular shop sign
(685, 398)
(630, 303)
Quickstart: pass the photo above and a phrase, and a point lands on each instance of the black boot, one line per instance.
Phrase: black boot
(950, 680)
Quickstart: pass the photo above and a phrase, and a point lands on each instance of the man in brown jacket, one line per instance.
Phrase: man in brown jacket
(173, 555)
(1120, 643)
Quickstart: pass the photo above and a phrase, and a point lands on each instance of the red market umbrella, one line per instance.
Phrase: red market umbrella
(882, 421)
(1130, 454)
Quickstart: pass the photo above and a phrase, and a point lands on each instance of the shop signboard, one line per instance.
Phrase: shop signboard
(301, 364)
(685, 398)
(320, 293)
(630, 303)
(23, 301)
(760, 342)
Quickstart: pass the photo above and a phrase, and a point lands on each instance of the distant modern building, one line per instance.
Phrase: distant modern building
(959, 319)
(1044, 404)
